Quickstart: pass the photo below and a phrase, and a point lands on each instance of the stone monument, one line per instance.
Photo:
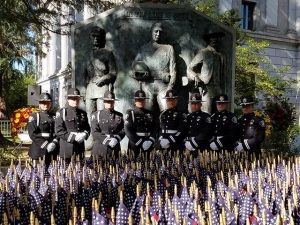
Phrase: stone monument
(100, 71)
(207, 69)
(161, 44)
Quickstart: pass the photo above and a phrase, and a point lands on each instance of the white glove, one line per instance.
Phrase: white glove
(164, 143)
(213, 146)
(113, 142)
(147, 145)
(189, 146)
(51, 146)
(80, 137)
(239, 147)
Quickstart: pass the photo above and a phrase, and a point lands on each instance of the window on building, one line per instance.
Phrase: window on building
(247, 11)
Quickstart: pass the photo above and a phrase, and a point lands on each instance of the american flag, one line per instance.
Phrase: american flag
(98, 219)
(122, 215)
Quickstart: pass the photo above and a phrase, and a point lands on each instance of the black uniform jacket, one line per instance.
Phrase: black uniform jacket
(173, 126)
(199, 129)
(225, 127)
(104, 125)
(68, 122)
(41, 132)
(251, 132)
(139, 127)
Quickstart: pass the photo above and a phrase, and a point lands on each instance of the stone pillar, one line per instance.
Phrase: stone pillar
(65, 41)
(44, 58)
(271, 16)
(298, 18)
(292, 19)
(224, 5)
(52, 54)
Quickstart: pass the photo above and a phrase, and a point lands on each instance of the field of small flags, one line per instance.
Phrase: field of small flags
(213, 189)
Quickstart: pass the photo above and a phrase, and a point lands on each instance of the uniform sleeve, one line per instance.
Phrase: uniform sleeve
(232, 132)
(258, 135)
(35, 133)
(154, 129)
(130, 130)
(96, 130)
(55, 138)
(182, 127)
(61, 130)
(181, 130)
(203, 138)
(86, 126)
(121, 132)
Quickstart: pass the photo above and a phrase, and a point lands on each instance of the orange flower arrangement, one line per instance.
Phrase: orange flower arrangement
(267, 119)
(19, 119)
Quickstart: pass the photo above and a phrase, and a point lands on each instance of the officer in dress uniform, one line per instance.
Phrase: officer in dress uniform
(251, 128)
(139, 125)
(225, 126)
(172, 124)
(199, 126)
(107, 127)
(72, 127)
(41, 131)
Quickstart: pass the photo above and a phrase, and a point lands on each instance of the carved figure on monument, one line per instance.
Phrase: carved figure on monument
(100, 71)
(206, 69)
(155, 66)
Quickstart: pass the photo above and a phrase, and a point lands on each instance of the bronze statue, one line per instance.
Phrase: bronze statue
(100, 71)
(206, 70)
(155, 66)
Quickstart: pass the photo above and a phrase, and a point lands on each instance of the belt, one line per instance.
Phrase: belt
(75, 133)
(142, 134)
(45, 134)
(170, 131)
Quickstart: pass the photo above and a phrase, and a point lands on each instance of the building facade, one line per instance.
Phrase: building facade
(276, 21)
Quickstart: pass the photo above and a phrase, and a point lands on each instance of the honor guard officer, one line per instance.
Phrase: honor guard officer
(225, 126)
(107, 127)
(199, 126)
(251, 128)
(41, 131)
(72, 127)
(139, 125)
(172, 124)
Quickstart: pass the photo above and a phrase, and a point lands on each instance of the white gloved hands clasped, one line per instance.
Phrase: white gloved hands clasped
(213, 146)
(239, 147)
(189, 146)
(164, 143)
(50, 147)
(113, 142)
(80, 137)
(147, 145)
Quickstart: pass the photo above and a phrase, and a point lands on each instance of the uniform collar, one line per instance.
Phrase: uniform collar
(139, 109)
(249, 114)
(108, 111)
(72, 108)
(222, 112)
